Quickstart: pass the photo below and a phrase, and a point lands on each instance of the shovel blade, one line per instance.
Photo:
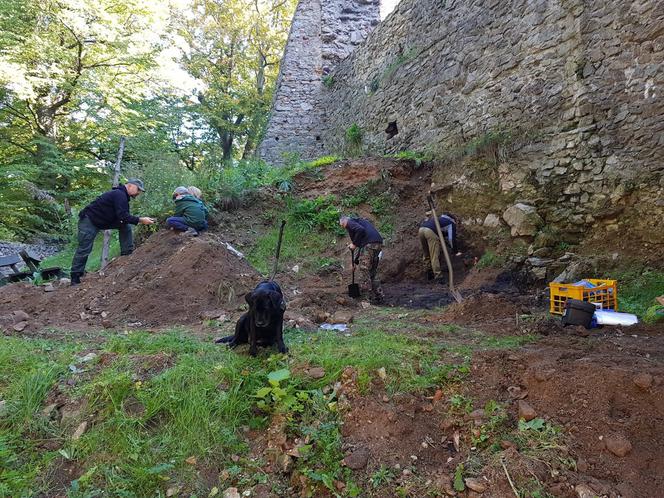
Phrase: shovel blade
(354, 290)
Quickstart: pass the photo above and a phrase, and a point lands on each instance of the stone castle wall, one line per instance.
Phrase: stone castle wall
(566, 96)
(323, 33)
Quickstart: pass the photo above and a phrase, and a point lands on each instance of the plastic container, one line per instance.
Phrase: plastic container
(578, 312)
(604, 292)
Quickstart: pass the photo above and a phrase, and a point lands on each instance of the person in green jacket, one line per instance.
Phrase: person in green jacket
(190, 213)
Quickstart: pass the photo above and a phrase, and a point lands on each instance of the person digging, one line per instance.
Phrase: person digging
(190, 213)
(431, 249)
(366, 247)
(109, 211)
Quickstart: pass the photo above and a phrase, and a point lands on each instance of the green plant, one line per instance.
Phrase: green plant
(381, 476)
(459, 484)
(354, 136)
(322, 161)
(328, 80)
(280, 397)
(490, 260)
(460, 403)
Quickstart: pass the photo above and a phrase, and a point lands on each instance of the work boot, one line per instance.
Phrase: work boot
(191, 232)
(75, 278)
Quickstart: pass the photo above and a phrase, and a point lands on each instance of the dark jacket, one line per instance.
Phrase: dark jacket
(110, 209)
(362, 232)
(192, 210)
(431, 225)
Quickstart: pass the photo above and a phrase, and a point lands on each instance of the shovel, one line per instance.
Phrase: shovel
(353, 288)
(276, 257)
(455, 293)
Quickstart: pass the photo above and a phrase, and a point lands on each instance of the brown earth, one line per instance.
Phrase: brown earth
(596, 385)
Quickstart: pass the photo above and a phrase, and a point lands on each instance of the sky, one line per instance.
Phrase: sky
(387, 6)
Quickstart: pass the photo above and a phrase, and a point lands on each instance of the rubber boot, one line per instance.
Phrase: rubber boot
(75, 278)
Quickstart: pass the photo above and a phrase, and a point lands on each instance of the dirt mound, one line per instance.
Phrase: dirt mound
(170, 279)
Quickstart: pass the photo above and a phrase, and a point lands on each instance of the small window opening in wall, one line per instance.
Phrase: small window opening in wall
(317, 138)
(276, 138)
(391, 129)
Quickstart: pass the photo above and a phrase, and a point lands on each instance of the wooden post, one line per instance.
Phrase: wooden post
(116, 181)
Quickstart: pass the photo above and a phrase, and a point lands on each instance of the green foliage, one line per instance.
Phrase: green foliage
(322, 161)
(637, 290)
(281, 395)
(403, 57)
(459, 484)
(381, 476)
(418, 157)
(319, 213)
(353, 137)
(328, 80)
(490, 260)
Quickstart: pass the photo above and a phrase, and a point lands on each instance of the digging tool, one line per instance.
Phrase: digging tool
(353, 288)
(276, 257)
(455, 294)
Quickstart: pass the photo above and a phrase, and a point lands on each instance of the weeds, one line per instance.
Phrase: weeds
(354, 136)
(490, 260)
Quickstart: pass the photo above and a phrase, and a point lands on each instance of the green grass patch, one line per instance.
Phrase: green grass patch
(490, 260)
(637, 290)
(64, 257)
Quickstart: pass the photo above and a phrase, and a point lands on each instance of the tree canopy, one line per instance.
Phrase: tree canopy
(188, 83)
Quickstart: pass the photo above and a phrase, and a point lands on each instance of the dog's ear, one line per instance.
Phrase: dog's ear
(249, 297)
(277, 301)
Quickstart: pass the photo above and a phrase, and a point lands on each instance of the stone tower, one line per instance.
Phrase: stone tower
(323, 33)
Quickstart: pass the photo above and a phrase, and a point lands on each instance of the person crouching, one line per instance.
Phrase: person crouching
(190, 213)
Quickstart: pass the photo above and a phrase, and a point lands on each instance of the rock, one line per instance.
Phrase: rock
(316, 372)
(358, 459)
(191, 460)
(49, 288)
(584, 491)
(64, 282)
(3, 407)
(231, 493)
(365, 305)
(321, 316)
(80, 430)
(506, 445)
(491, 221)
(522, 219)
(526, 411)
(618, 445)
(382, 373)
(516, 392)
(211, 314)
(174, 491)
(643, 381)
(88, 357)
(543, 375)
(262, 491)
(49, 409)
(582, 465)
(477, 415)
(476, 485)
(20, 316)
(341, 317)
(20, 326)
(107, 324)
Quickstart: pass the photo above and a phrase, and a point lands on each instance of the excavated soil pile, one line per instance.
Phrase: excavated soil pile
(170, 279)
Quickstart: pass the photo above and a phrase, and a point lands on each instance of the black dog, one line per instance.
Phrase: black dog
(264, 322)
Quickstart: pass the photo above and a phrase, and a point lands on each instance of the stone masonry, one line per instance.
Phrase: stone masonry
(574, 89)
(323, 33)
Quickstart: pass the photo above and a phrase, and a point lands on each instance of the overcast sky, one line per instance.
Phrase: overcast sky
(387, 6)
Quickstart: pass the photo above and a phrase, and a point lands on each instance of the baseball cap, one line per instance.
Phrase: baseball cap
(138, 183)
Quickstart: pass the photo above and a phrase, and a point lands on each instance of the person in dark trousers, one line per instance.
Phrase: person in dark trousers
(108, 211)
(368, 245)
(190, 213)
(431, 249)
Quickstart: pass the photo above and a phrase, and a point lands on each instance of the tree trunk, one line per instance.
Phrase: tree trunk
(116, 181)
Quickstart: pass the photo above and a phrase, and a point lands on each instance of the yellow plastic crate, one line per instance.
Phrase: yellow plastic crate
(604, 292)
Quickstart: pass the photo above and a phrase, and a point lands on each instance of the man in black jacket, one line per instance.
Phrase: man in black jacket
(367, 245)
(108, 211)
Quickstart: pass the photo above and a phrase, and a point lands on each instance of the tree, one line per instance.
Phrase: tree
(233, 48)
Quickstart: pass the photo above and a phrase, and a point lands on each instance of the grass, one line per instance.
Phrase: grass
(164, 409)
(64, 257)
(637, 290)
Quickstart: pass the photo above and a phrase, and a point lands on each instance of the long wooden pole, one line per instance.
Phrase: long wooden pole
(453, 291)
(116, 182)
